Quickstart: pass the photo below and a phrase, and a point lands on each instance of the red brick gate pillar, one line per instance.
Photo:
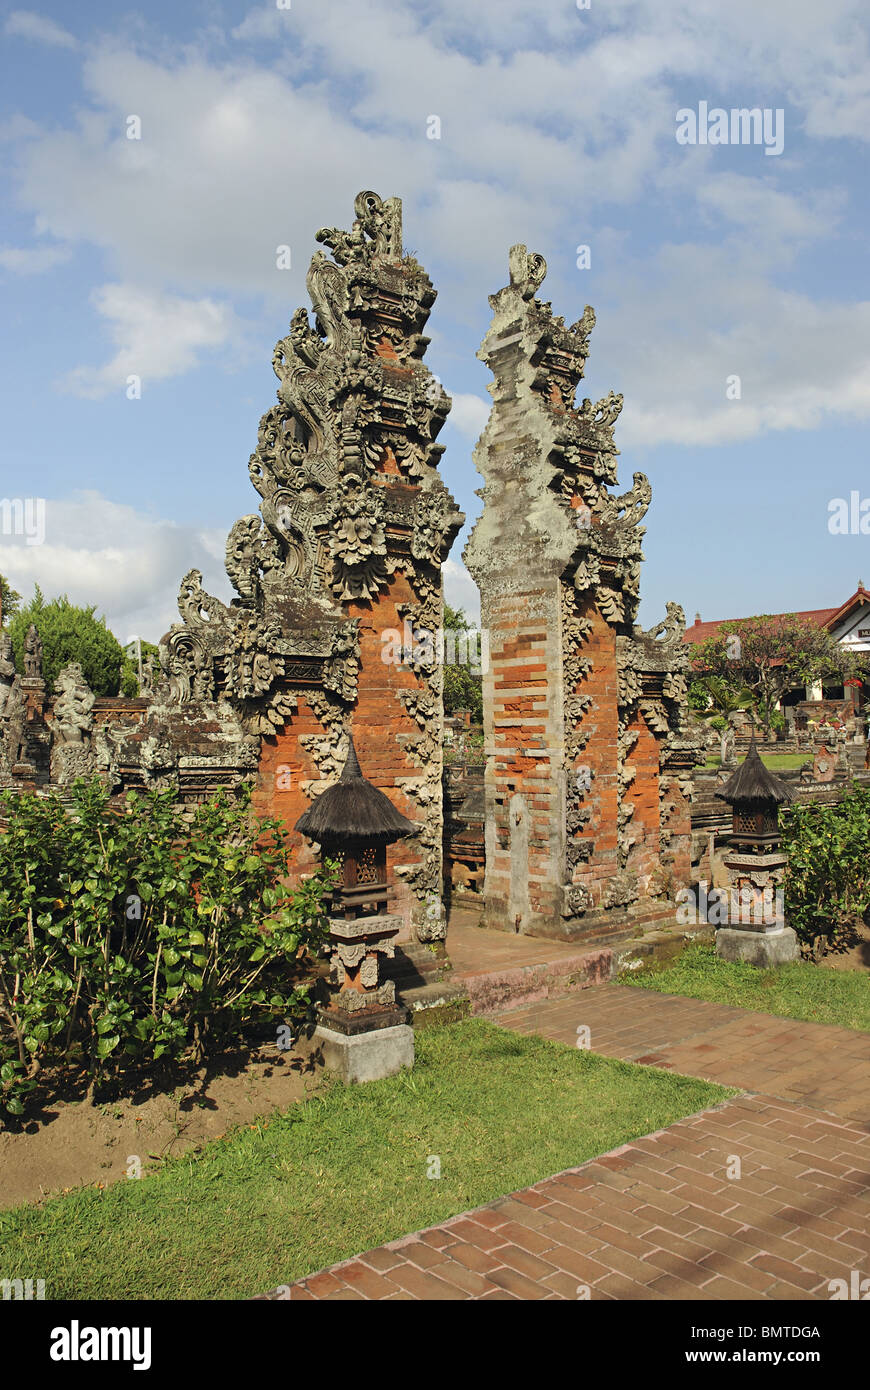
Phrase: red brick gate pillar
(588, 760)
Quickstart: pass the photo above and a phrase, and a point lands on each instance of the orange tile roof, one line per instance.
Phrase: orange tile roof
(822, 617)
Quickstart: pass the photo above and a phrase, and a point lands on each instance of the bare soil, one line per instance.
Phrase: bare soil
(853, 952)
(74, 1142)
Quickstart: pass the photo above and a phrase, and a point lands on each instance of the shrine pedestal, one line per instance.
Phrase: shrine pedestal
(767, 948)
(757, 933)
(367, 1056)
(363, 1035)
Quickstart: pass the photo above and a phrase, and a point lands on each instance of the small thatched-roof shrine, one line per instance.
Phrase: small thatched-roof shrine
(354, 810)
(752, 781)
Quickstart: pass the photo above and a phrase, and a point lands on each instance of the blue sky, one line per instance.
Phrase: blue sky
(259, 125)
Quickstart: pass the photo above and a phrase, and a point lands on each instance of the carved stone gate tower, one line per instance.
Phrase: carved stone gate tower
(353, 527)
(588, 774)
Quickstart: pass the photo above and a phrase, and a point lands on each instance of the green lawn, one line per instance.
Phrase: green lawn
(346, 1170)
(777, 762)
(809, 992)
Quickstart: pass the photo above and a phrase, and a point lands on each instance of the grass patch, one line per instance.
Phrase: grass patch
(777, 762)
(346, 1170)
(799, 990)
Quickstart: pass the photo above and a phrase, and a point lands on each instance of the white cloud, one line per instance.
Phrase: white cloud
(130, 564)
(156, 335)
(767, 212)
(24, 24)
(549, 116)
(692, 317)
(468, 415)
(517, 143)
(125, 562)
(32, 260)
(460, 590)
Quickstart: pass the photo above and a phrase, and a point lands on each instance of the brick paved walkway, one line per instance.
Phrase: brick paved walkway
(824, 1067)
(660, 1218)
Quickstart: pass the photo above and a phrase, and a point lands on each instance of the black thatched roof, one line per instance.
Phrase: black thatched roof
(354, 810)
(751, 781)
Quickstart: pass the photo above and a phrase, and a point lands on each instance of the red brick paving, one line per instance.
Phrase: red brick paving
(812, 1063)
(660, 1218)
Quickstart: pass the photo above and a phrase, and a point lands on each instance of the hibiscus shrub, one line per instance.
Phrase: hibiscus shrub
(152, 931)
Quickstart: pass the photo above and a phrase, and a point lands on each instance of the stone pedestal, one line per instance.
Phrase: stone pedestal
(367, 1056)
(69, 762)
(768, 948)
(357, 945)
(362, 1034)
(757, 933)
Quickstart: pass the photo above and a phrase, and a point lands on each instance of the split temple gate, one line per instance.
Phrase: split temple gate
(588, 778)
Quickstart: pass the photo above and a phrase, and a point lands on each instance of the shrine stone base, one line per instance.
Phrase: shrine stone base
(366, 1056)
(762, 948)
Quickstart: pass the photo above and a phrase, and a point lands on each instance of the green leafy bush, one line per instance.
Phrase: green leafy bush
(827, 879)
(156, 931)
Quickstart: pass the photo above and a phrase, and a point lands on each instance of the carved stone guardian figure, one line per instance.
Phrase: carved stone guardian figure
(7, 670)
(33, 654)
(13, 740)
(71, 754)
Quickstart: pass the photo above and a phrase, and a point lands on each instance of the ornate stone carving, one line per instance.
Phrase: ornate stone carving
(622, 890)
(73, 717)
(15, 722)
(528, 271)
(358, 543)
(13, 710)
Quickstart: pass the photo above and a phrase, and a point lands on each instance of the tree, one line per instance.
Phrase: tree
(463, 681)
(714, 698)
(770, 655)
(11, 599)
(69, 634)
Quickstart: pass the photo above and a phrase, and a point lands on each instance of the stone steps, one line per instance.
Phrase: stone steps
(515, 986)
(418, 972)
(658, 947)
(438, 1002)
(415, 964)
(427, 984)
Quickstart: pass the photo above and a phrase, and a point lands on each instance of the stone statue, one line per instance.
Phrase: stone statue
(73, 719)
(71, 754)
(13, 739)
(728, 756)
(7, 670)
(33, 654)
